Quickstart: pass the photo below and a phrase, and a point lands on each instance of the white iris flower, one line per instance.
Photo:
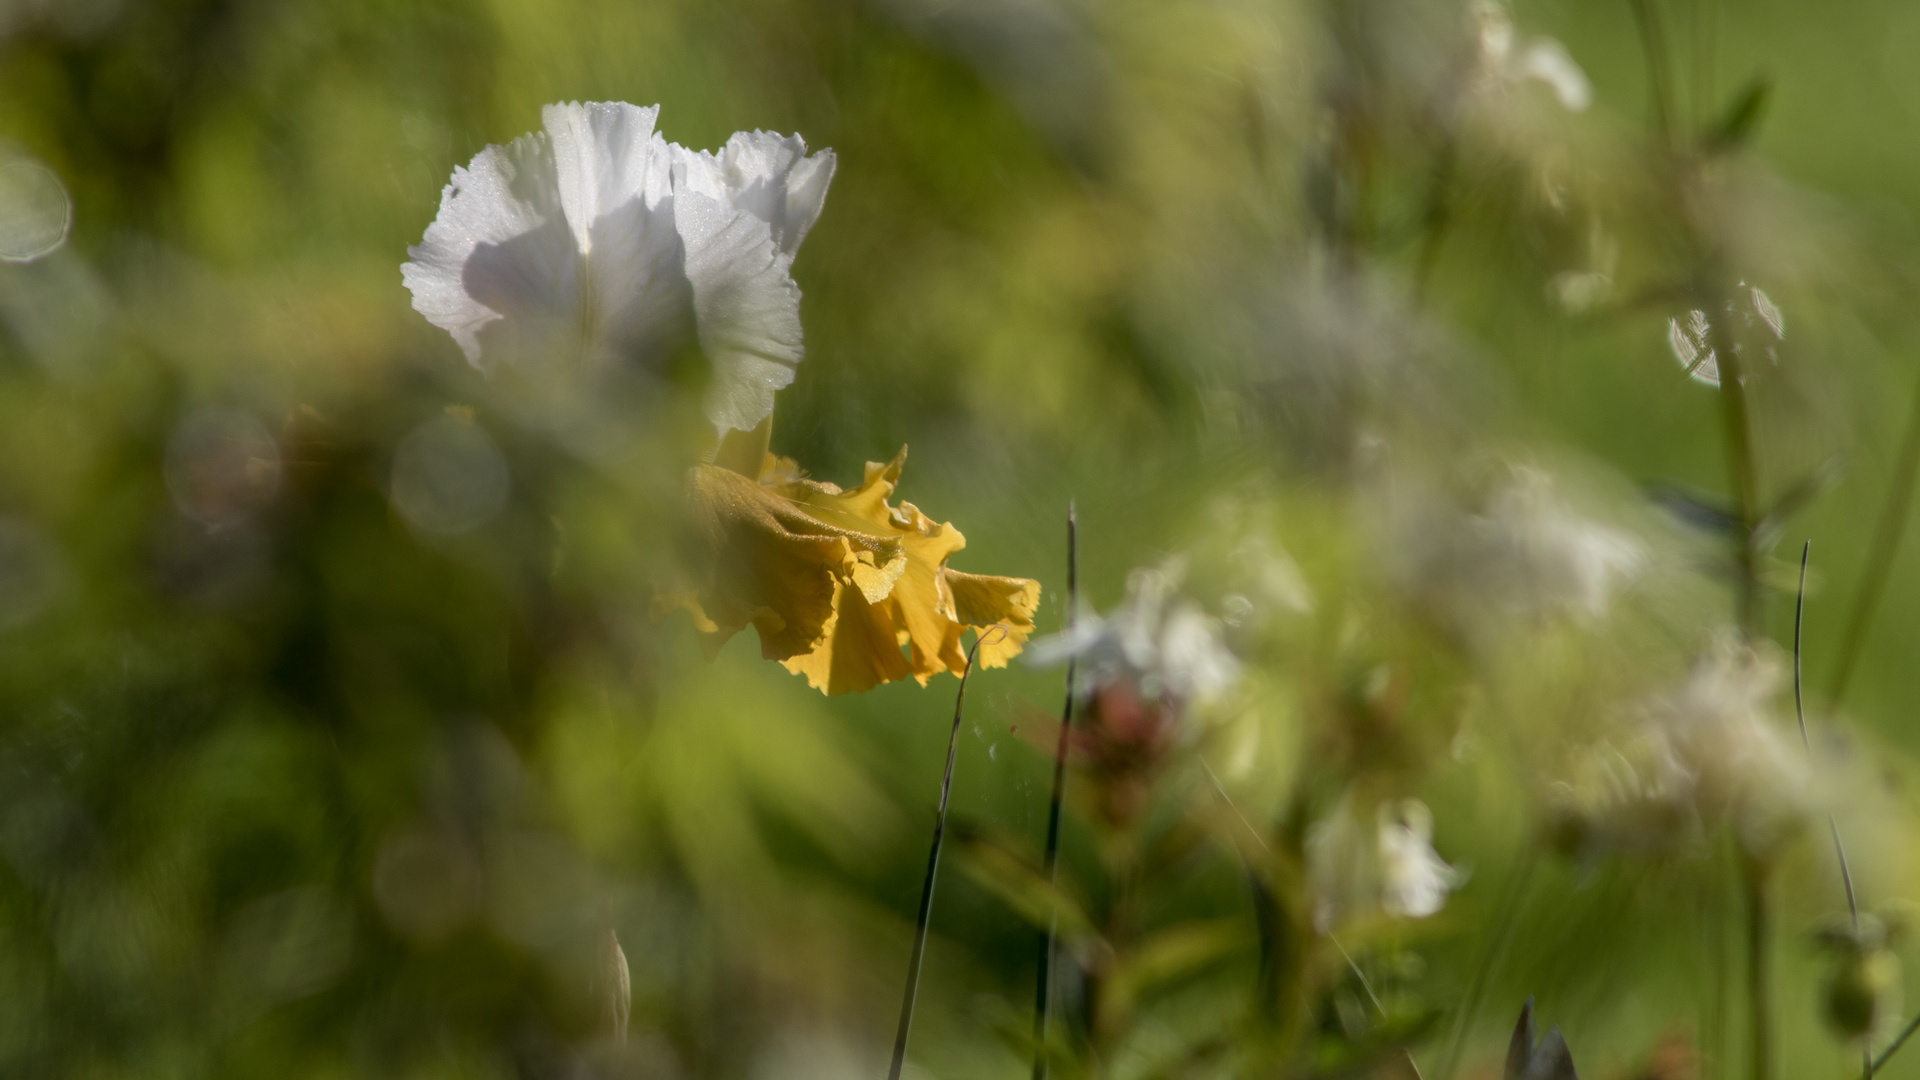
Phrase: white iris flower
(597, 242)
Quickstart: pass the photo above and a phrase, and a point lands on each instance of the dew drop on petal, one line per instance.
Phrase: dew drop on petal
(35, 211)
(448, 477)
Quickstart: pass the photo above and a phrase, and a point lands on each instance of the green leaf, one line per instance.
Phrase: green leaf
(1736, 126)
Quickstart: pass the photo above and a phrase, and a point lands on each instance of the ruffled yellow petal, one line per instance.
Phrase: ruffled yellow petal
(843, 586)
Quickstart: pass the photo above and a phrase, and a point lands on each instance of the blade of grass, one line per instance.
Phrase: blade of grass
(933, 866)
(1043, 986)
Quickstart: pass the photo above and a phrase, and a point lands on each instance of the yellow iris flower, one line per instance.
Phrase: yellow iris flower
(843, 586)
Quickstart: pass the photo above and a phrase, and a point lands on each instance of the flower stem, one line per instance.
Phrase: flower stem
(1737, 427)
(933, 867)
(1043, 985)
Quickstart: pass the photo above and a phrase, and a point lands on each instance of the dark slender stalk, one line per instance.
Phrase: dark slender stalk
(1886, 541)
(1043, 985)
(933, 866)
(1833, 823)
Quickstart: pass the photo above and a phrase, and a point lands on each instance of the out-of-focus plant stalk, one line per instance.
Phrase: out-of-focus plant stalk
(1437, 217)
(1886, 541)
(1737, 428)
(1736, 424)
(1713, 293)
(1504, 915)
(1653, 40)
(1753, 875)
(1043, 988)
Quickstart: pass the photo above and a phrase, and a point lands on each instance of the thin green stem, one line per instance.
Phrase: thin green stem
(1899, 1041)
(1759, 1008)
(1653, 40)
(1737, 427)
(1043, 985)
(933, 867)
(1438, 217)
(1886, 541)
(1503, 920)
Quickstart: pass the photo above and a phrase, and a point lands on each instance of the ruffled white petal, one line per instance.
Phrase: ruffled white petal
(615, 184)
(742, 214)
(498, 248)
(746, 305)
(770, 176)
(597, 241)
(559, 248)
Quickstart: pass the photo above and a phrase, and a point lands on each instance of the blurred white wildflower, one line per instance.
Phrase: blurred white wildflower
(1631, 795)
(1709, 753)
(1691, 338)
(1161, 640)
(1505, 60)
(1748, 768)
(1527, 553)
(1556, 557)
(595, 241)
(1391, 868)
(1414, 880)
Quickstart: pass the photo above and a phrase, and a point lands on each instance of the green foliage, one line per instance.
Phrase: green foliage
(337, 729)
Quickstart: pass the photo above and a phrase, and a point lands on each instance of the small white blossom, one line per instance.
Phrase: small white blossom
(1162, 640)
(1414, 880)
(595, 242)
(1526, 553)
(1392, 867)
(1710, 752)
(1558, 557)
(1506, 60)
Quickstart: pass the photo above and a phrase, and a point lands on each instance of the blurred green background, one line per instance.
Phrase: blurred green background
(292, 783)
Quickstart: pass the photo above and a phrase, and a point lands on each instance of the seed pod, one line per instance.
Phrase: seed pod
(1857, 989)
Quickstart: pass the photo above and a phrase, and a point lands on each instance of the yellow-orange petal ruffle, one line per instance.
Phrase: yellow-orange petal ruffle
(843, 586)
